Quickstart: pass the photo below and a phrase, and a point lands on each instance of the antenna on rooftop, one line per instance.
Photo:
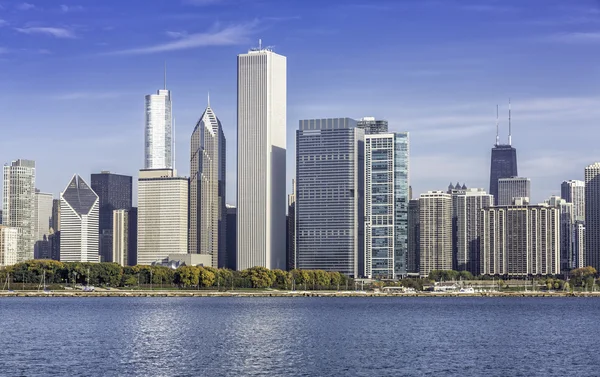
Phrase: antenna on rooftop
(497, 135)
(260, 44)
(509, 125)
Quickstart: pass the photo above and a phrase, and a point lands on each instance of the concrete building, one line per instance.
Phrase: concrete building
(231, 237)
(386, 205)
(120, 237)
(158, 152)
(162, 215)
(9, 242)
(511, 188)
(207, 201)
(435, 232)
(520, 240)
(412, 264)
(42, 223)
(578, 245)
(330, 196)
(573, 191)
(372, 126)
(79, 209)
(566, 212)
(291, 226)
(56, 215)
(466, 214)
(261, 147)
(592, 216)
(18, 205)
(114, 192)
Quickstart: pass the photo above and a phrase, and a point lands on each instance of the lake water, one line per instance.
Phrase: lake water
(299, 336)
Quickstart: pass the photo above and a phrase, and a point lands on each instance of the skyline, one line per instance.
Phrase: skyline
(437, 81)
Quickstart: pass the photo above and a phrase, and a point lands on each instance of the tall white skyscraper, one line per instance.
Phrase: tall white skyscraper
(42, 215)
(573, 191)
(162, 215)
(567, 228)
(79, 211)
(18, 205)
(592, 215)
(120, 237)
(435, 227)
(9, 238)
(261, 194)
(158, 131)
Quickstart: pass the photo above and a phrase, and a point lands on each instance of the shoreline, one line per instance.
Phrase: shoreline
(199, 294)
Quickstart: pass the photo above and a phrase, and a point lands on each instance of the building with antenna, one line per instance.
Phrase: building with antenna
(158, 130)
(504, 158)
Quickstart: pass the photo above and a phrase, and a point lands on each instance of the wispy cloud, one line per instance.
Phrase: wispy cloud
(88, 95)
(25, 6)
(51, 31)
(176, 34)
(3, 22)
(71, 8)
(231, 35)
(488, 8)
(576, 37)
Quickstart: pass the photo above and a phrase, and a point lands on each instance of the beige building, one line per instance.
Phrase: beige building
(120, 236)
(8, 245)
(435, 232)
(520, 240)
(162, 215)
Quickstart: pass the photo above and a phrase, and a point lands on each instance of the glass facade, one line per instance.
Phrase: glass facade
(503, 165)
(386, 201)
(158, 132)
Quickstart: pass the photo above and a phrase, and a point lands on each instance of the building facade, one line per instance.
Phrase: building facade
(592, 216)
(573, 191)
(412, 264)
(18, 205)
(372, 125)
(466, 213)
(9, 243)
(79, 208)
(435, 232)
(291, 229)
(42, 215)
(578, 245)
(162, 225)
(120, 237)
(510, 188)
(503, 165)
(566, 213)
(261, 147)
(158, 131)
(114, 192)
(330, 196)
(231, 237)
(386, 205)
(207, 200)
(56, 215)
(520, 240)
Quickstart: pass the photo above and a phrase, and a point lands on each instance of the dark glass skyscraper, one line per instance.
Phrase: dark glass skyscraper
(503, 165)
(114, 192)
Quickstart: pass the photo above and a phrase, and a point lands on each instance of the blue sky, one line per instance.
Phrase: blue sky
(74, 75)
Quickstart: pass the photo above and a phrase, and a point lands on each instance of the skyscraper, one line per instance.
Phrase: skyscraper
(18, 205)
(231, 237)
(291, 224)
(79, 222)
(114, 192)
(566, 212)
(466, 208)
(504, 159)
(132, 228)
(510, 188)
(413, 237)
(56, 215)
(573, 191)
(9, 239)
(261, 159)
(42, 215)
(120, 232)
(435, 232)
(330, 196)
(578, 245)
(158, 131)
(386, 199)
(592, 215)
(372, 126)
(162, 215)
(207, 200)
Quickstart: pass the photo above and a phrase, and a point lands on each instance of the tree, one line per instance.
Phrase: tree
(259, 277)
(336, 279)
(300, 277)
(206, 277)
(283, 279)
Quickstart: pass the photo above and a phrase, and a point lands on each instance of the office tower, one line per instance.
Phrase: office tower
(592, 216)
(158, 131)
(9, 242)
(520, 240)
(231, 237)
(291, 225)
(510, 188)
(56, 215)
(412, 264)
(18, 205)
(42, 249)
(162, 215)
(330, 196)
(372, 126)
(54, 245)
(0, 217)
(42, 215)
(578, 245)
(132, 226)
(207, 189)
(566, 212)
(573, 191)
(386, 199)
(466, 213)
(504, 159)
(261, 159)
(435, 232)
(79, 209)
(114, 192)
(120, 237)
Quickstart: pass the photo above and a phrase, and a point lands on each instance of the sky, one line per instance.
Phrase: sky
(74, 73)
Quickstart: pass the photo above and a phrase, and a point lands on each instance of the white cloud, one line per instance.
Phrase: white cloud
(176, 34)
(231, 35)
(577, 37)
(25, 6)
(70, 8)
(52, 31)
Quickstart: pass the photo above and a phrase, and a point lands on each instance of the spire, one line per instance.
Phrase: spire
(174, 145)
(509, 125)
(497, 135)
(208, 99)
